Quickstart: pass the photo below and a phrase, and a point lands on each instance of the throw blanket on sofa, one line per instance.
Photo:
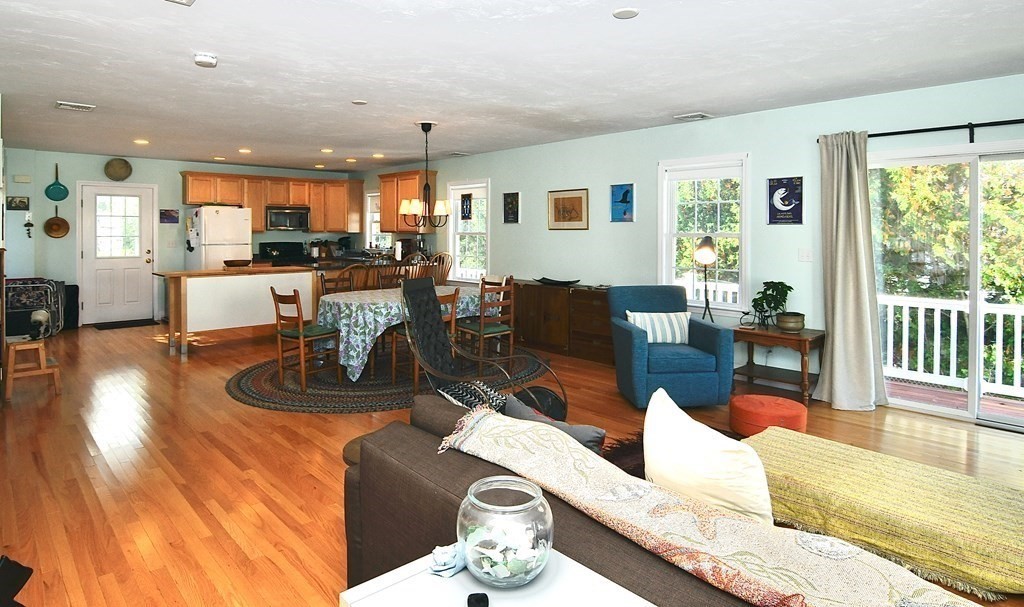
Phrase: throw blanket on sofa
(768, 566)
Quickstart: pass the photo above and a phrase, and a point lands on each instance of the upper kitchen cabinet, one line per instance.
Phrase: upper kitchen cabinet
(315, 197)
(298, 193)
(254, 196)
(343, 206)
(211, 188)
(277, 192)
(394, 187)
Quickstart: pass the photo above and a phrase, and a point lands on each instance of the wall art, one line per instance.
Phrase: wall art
(568, 210)
(510, 207)
(622, 207)
(785, 201)
(17, 203)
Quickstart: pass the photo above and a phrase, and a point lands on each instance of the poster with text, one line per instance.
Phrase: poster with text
(785, 201)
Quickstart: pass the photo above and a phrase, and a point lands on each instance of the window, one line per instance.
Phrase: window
(469, 236)
(703, 197)
(376, 239)
(117, 226)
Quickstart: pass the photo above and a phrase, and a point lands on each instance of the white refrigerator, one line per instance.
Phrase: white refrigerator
(217, 233)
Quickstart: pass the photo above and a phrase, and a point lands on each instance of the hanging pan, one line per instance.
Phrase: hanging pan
(56, 226)
(56, 191)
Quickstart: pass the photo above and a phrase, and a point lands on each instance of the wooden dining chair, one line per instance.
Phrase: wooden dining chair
(389, 277)
(449, 303)
(361, 277)
(497, 315)
(296, 338)
(442, 265)
(336, 282)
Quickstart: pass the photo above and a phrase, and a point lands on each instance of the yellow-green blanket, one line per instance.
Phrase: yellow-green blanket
(763, 565)
(962, 531)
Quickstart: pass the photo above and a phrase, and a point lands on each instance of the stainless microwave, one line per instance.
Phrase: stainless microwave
(288, 218)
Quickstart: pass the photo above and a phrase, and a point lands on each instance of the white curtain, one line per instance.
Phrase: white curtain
(851, 369)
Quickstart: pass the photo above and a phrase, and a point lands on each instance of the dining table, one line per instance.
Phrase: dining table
(363, 316)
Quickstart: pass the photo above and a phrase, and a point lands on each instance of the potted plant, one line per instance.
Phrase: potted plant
(770, 301)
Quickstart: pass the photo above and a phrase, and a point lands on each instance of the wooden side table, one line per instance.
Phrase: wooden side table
(803, 342)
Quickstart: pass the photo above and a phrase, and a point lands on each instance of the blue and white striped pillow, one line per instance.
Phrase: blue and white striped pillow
(662, 327)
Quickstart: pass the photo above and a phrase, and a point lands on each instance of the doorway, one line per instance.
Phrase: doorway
(116, 241)
(947, 234)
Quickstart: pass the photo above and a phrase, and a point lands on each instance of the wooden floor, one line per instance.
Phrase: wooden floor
(145, 484)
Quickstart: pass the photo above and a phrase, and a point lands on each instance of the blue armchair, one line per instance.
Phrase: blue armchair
(695, 374)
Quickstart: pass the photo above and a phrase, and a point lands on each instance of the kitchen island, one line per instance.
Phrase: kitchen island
(203, 300)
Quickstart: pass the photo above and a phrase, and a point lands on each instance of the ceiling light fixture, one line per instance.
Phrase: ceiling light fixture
(625, 13)
(182, 2)
(692, 117)
(74, 107)
(351, 160)
(359, 102)
(205, 59)
(378, 155)
(327, 150)
(318, 166)
(458, 154)
(219, 158)
(417, 212)
(244, 151)
(141, 141)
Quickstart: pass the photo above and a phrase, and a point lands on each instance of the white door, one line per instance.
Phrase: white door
(117, 253)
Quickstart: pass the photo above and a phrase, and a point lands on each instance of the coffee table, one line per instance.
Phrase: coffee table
(562, 582)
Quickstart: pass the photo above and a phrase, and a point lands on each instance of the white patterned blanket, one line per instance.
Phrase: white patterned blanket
(768, 566)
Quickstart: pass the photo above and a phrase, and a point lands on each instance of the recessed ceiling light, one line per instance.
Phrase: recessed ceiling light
(244, 151)
(625, 13)
(327, 150)
(219, 158)
(692, 116)
(205, 59)
(359, 102)
(182, 2)
(141, 141)
(350, 160)
(318, 166)
(75, 107)
(378, 155)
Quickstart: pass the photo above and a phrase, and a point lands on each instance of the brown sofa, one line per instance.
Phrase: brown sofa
(402, 498)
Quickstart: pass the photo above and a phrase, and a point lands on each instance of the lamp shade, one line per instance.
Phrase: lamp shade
(441, 209)
(705, 253)
(404, 207)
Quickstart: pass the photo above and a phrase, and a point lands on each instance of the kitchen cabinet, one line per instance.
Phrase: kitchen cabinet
(394, 187)
(316, 206)
(298, 193)
(277, 192)
(254, 196)
(343, 206)
(211, 188)
(568, 320)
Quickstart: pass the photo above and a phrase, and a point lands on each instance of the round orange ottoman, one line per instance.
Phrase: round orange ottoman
(751, 413)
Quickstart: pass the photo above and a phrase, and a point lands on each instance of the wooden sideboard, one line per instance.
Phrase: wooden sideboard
(572, 320)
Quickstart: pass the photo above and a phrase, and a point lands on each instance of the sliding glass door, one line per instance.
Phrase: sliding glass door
(948, 237)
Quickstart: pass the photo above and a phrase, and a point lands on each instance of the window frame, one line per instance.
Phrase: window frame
(455, 190)
(370, 222)
(673, 170)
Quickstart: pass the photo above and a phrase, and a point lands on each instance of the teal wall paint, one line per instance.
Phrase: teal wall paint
(780, 143)
(56, 258)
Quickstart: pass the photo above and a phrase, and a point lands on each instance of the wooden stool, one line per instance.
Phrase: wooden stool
(751, 413)
(37, 365)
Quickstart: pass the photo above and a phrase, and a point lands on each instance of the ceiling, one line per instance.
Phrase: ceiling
(496, 74)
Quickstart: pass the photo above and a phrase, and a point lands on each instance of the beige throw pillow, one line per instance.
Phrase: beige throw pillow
(662, 327)
(690, 458)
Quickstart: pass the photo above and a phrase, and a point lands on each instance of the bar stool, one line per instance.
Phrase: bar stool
(38, 364)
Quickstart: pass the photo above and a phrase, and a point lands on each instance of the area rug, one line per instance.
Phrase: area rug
(121, 324)
(258, 386)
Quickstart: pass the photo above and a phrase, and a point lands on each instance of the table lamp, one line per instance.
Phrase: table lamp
(706, 255)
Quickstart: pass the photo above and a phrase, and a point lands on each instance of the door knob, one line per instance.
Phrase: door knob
(148, 251)
(149, 260)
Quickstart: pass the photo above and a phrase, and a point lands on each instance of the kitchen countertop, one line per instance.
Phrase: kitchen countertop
(245, 271)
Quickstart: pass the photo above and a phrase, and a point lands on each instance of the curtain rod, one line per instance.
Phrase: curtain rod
(970, 126)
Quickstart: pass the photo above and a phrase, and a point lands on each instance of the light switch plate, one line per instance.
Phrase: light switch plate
(22, 179)
(803, 255)
(28, 216)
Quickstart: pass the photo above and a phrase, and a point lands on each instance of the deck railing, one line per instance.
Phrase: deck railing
(926, 340)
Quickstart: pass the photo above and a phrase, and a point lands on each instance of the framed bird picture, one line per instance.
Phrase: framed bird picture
(785, 201)
(622, 204)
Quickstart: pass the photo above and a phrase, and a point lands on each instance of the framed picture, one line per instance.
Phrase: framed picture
(466, 207)
(568, 210)
(785, 198)
(510, 207)
(622, 207)
(168, 215)
(17, 203)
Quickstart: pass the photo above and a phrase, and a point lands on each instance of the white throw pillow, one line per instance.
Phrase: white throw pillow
(662, 327)
(694, 460)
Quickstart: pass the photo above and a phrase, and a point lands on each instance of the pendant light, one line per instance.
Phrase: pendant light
(419, 212)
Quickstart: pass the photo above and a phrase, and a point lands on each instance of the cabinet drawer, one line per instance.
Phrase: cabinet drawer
(591, 347)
